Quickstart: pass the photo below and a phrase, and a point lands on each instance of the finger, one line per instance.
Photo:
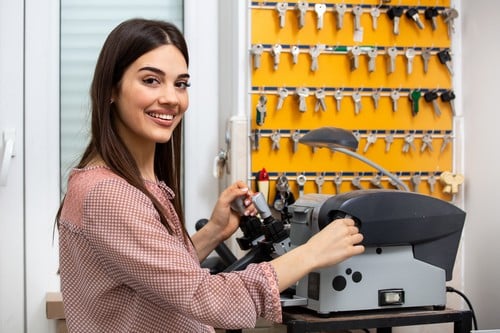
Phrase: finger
(357, 238)
(241, 185)
(236, 190)
(353, 230)
(345, 221)
(358, 249)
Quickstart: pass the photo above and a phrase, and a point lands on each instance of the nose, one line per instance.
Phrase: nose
(168, 95)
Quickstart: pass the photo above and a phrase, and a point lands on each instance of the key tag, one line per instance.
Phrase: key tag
(414, 99)
(451, 181)
(358, 35)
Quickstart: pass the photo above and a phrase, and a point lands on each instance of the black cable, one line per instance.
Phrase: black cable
(451, 289)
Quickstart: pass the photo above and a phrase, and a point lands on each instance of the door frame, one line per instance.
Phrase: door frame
(11, 193)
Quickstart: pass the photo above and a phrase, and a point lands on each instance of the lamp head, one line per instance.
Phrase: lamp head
(330, 137)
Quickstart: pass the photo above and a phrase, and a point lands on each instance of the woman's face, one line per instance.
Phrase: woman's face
(152, 97)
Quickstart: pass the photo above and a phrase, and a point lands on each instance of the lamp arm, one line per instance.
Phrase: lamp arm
(401, 185)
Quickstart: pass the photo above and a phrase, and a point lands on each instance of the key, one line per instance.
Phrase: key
(301, 181)
(303, 92)
(255, 138)
(295, 138)
(395, 13)
(445, 58)
(375, 14)
(302, 8)
(415, 98)
(370, 140)
(282, 7)
(275, 138)
(446, 141)
(357, 11)
(393, 183)
(412, 14)
(320, 100)
(449, 15)
(356, 182)
(320, 180)
(372, 59)
(261, 110)
(282, 93)
(315, 51)
(354, 53)
(356, 97)
(340, 9)
(376, 97)
(449, 96)
(282, 192)
(410, 55)
(282, 185)
(451, 181)
(320, 9)
(426, 56)
(392, 53)
(431, 180)
(256, 51)
(376, 180)
(339, 94)
(389, 139)
(395, 95)
(295, 54)
(431, 14)
(337, 180)
(431, 96)
(426, 142)
(416, 178)
(276, 52)
(357, 135)
(409, 142)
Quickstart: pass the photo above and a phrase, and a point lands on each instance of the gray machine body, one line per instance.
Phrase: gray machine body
(409, 251)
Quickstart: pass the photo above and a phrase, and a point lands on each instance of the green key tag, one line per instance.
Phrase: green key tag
(415, 96)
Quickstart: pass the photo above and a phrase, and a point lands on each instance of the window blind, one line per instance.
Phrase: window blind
(85, 25)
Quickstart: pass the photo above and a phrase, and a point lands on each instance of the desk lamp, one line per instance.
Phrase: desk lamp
(338, 139)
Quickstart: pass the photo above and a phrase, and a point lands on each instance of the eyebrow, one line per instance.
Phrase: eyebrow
(162, 73)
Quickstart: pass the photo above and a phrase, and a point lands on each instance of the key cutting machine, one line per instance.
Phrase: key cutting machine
(411, 241)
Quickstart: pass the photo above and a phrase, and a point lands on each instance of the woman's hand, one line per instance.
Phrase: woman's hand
(337, 242)
(224, 220)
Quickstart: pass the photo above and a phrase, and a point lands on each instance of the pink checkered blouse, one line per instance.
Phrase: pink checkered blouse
(121, 271)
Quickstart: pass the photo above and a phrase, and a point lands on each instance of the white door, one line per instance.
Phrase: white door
(29, 161)
(11, 172)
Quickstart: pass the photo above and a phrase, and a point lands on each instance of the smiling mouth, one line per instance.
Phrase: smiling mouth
(161, 116)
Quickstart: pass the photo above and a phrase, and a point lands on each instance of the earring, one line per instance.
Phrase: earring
(111, 101)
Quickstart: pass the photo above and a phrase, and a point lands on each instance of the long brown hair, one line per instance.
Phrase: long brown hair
(127, 42)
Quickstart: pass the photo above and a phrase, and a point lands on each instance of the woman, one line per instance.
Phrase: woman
(127, 263)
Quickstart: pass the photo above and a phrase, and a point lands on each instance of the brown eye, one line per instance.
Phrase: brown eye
(182, 84)
(151, 81)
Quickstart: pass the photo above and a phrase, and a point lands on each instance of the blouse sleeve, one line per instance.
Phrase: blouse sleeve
(123, 227)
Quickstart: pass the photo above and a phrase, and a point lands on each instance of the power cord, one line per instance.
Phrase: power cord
(451, 289)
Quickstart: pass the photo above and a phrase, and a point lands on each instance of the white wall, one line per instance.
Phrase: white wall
(202, 119)
(481, 88)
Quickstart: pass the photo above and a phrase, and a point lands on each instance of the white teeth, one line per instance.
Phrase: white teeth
(162, 116)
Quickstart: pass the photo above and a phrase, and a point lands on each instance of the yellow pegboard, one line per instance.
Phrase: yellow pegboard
(334, 72)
